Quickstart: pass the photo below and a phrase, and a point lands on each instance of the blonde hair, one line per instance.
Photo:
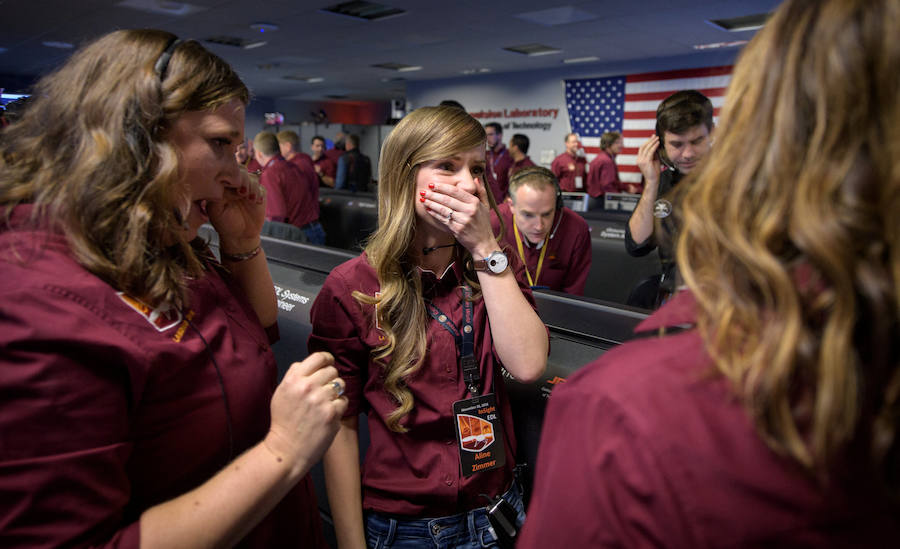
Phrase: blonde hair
(90, 153)
(289, 136)
(266, 143)
(426, 134)
(790, 233)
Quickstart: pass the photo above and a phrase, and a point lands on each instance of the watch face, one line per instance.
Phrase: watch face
(497, 262)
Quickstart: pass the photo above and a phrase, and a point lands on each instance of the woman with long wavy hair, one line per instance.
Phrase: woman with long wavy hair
(763, 408)
(420, 325)
(137, 387)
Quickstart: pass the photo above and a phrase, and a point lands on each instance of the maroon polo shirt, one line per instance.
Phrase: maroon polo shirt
(566, 168)
(518, 166)
(326, 165)
(416, 474)
(304, 162)
(497, 164)
(603, 176)
(253, 165)
(567, 260)
(333, 154)
(108, 408)
(291, 197)
(645, 447)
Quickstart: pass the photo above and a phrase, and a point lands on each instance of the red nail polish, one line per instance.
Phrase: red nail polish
(431, 185)
(252, 196)
(422, 199)
(422, 193)
(243, 190)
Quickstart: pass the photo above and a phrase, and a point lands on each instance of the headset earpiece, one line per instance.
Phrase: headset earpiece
(543, 172)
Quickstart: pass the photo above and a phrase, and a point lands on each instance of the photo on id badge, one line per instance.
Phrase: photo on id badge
(480, 434)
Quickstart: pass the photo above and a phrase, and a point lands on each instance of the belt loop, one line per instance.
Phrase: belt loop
(392, 532)
(473, 531)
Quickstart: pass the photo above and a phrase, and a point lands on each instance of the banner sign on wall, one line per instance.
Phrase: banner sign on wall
(520, 119)
(627, 104)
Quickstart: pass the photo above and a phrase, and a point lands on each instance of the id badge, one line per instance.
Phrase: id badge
(479, 433)
(579, 182)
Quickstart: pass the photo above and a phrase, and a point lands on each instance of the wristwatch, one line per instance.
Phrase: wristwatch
(495, 263)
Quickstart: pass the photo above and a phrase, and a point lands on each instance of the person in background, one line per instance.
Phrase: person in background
(684, 124)
(139, 399)
(324, 166)
(603, 174)
(518, 150)
(291, 196)
(245, 157)
(289, 146)
(419, 325)
(354, 170)
(570, 168)
(335, 152)
(498, 161)
(760, 408)
(553, 242)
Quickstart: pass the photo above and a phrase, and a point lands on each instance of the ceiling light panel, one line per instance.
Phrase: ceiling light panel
(399, 67)
(367, 11)
(562, 15)
(533, 49)
(743, 23)
(162, 7)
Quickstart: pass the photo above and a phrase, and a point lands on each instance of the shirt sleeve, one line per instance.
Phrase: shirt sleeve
(609, 182)
(557, 168)
(638, 250)
(576, 277)
(276, 205)
(328, 167)
(334, 329)
(65, 407)
(598, 484)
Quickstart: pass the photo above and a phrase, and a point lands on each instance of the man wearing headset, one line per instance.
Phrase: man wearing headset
(553, 242)
(684, 122)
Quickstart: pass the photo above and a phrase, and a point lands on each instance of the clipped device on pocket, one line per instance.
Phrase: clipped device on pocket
(502, 517)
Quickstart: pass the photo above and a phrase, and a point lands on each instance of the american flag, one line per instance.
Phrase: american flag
(627, 104)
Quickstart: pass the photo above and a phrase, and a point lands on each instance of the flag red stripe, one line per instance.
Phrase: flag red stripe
(637, 133)
(644, 115)
(686, 73)
(659, 96)
(629, 168)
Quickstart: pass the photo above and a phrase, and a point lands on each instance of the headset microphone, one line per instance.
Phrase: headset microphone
(426, 251)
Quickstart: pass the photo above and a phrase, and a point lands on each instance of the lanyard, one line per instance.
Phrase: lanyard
(465, 339)
(537, 273)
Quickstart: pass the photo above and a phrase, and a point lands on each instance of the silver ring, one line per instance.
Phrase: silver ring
(337, 387)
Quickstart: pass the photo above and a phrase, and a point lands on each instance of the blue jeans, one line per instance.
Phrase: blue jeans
(315, 234)
(470, 530)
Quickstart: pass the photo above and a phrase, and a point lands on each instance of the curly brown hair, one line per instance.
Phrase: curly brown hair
(790, 238)
(91, 154)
